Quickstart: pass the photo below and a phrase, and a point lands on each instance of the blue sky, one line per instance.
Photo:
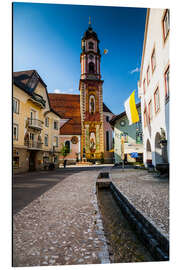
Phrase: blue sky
(47, 37)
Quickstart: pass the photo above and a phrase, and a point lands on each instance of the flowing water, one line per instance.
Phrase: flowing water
(124, 245)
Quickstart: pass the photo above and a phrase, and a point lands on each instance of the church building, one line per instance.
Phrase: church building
(85, 127)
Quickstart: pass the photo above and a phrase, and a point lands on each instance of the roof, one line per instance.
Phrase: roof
(68, 107)
(21, 78)
(90, 33)
(144, 43)
(106, 109)
(119, 116)
(27, 81)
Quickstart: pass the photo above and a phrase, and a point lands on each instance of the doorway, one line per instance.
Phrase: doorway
(32, 161)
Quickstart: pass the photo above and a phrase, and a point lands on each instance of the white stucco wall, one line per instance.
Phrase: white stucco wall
(154, 40)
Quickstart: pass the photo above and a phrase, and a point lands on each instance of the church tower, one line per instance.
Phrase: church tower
(91, 98)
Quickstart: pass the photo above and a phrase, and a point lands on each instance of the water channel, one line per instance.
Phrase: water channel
(123, 244)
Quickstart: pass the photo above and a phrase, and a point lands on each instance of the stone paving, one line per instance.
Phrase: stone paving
(147, 192)
(56, 219)
(62, 226)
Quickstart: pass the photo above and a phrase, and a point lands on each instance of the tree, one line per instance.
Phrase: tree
(64, 151)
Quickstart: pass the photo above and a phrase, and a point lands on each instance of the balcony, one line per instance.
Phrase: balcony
(34, 145)
(38, 100)
(35, 123)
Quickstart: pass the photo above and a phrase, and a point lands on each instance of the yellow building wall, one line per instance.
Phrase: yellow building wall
(25, 106)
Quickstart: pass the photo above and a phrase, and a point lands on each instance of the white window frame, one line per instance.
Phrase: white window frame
(166, 24)
(157, 98)
(47, 122)
(15, 127)
(16, 105)
(46, 137)
(56, 144)
(55, 121)
(153, 60)
(166, 82)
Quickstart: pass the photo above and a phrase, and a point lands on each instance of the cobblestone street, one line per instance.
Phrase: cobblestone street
(60, 226)
(56, 219)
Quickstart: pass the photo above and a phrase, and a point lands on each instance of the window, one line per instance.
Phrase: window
(31, 136)
(32, 82)
(145, 122)
(91, 56)
(150, 111)
(166, 24)
(148, 75)
(16, 162)
(139, 123)
(144, 86)
(107, 140)
(15, 132)
(125, 136)
(107, 118)
(15, 105)
(166, 78)
(67, 145)
(56, 141)
(46, 140)
(32, 115)
(91, 45)
(56, 125)
(139, 138)
(153, 60)
(91, 67)
(47, 121)
(157, 100)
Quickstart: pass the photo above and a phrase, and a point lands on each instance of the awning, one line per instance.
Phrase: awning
(134, 155)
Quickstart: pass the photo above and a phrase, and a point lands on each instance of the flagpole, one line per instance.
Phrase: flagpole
(122, 151)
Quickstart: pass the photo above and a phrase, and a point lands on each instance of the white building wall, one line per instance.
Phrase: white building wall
(154, 40)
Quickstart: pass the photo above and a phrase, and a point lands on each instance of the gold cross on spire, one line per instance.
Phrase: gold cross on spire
(89, 20)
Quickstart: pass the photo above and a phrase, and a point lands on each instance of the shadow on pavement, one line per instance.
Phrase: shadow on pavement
(28, 186)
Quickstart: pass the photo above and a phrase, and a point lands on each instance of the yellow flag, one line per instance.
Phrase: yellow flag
(131, 110)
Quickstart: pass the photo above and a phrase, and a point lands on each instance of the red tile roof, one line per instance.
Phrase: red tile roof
(68, 107)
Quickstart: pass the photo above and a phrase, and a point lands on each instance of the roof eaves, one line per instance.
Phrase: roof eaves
(144, 43)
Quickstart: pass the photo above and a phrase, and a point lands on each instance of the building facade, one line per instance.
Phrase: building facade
(130, 134)
(153, 87)
(35, 124)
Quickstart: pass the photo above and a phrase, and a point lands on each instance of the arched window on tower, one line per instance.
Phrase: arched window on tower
(91, 45)
(91, 67)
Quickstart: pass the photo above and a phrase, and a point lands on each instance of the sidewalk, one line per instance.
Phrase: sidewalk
(147, 192)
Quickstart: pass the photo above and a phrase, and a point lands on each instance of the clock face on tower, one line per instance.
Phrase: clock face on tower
(123, 123)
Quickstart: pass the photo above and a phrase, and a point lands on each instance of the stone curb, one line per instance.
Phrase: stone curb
(103, 254)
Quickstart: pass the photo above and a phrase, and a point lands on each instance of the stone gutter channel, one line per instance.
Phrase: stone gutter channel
(104, 253)
(152, 238)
